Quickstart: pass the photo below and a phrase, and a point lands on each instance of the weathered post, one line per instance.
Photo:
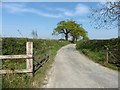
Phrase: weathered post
(107, 54)
(29, 62)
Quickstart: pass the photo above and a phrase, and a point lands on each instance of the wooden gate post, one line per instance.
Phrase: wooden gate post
(29, 62)
(107, 54)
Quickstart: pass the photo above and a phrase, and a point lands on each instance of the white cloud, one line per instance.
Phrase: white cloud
(68, 13)
(38, 12)
(81, 9)
(18, 8)
(59, 0)
(65, 12)
(83, 20)
(78, 10)
(0, 5)
(14, 8)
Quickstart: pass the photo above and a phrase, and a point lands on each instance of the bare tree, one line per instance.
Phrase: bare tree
(34, 34)
(20, 33)
(106, 16)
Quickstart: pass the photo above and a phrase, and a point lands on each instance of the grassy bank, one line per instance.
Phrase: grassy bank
(96, 50)
(16, 46)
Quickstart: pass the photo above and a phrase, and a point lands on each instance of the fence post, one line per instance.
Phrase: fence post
(29, 62)
(107, 54)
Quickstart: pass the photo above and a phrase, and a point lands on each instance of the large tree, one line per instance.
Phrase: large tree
(61, 29)
(76, 31)
(106, 16)
(70, 28)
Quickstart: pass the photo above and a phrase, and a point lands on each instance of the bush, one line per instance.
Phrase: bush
(96, 49)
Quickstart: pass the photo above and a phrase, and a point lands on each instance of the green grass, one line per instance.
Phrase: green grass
(16, 46)
(40, 75)
(96, 51)
(99, 57)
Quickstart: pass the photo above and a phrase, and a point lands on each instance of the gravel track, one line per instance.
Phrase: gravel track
(73, 70)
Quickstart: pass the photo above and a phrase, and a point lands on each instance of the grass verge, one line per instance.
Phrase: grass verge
(41, 73)
(15, 46)
(95, 51)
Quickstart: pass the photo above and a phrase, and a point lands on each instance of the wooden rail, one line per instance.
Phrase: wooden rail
(28, 57)
(15, 56)
(15, 71)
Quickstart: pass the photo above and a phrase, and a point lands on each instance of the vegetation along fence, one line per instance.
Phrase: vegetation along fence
(34, 60)
(112, 53)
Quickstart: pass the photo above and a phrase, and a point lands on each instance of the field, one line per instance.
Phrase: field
(16, 46)
(96, 50)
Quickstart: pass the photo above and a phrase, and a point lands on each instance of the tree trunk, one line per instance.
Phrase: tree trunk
(66, 37)
(76, 39)
(73, 39)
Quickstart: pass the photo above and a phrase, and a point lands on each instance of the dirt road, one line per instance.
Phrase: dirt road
(73, 70)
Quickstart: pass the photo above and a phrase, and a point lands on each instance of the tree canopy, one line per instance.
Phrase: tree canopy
(62, 28)
(70, 28)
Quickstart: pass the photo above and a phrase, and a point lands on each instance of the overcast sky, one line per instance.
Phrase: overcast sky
(43, 17)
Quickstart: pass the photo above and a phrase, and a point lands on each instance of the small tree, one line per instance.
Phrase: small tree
(34, 34)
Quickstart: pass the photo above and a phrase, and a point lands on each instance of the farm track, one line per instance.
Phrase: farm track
(73, 70)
